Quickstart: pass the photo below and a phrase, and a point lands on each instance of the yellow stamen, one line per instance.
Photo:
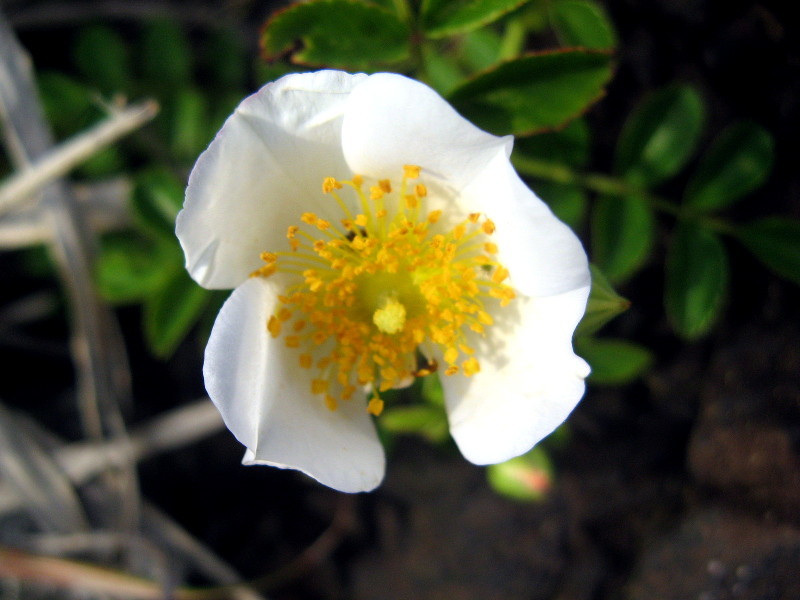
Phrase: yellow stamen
(361, 301)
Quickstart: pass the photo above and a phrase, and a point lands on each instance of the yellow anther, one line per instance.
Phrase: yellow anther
(390, 317)
(319, 386)
(375, 406)
(274, 326)
(363, 299)
(329, 184)
(500, 274)
(411, 171)
(471, 366)
(330, 402)
(451, 355)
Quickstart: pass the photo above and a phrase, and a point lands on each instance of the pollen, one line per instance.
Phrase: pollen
(399, 284)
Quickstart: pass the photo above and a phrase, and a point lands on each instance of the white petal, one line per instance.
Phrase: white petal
(542, 254)
(529, 381)
(265, 399)
(264, 168)
(391, 120)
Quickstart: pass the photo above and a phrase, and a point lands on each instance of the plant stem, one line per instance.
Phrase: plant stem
(614, 187)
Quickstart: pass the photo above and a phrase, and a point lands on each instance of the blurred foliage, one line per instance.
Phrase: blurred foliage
(476, 54)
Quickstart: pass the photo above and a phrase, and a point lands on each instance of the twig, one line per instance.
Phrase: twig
(63, 158)
(104, 204)
(98, 351)
(83, 461)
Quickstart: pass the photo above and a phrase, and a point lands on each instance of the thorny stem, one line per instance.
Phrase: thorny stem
(614, 187)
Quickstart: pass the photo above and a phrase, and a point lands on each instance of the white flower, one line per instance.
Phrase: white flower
(365, 225)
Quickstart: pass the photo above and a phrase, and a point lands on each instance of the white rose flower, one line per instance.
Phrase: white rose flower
(373, 235)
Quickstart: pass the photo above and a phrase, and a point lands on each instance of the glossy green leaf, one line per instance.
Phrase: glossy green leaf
(340, 33)
(604, 304)
(130, 267)
(660, 136)
(696, 280)
(442, 18)
(536, 92)
(623, 234)
(582, 23)
(480, 49)
(443, 72)
(171, 313)
(526, 478)
(776, 242)
(102, 57)
(426, 420)
(613, 361)
(165, 56)
(156, 200)
(738, 163)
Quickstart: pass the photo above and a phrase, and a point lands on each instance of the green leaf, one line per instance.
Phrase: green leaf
(442, 71)
(432, 391)
(426, 420)
(776, 242)
(569, 146)
(102, 57)
(738, 163)
(604, 304)
(166, 57)
(568, 202)
(582, 23)
(481, 49)
(623, 234)
(102, 164)
(171, 313)
(130, 267)
(187, 117)
(526, 478)
(536, 92)
(614, 362)
(68, 104)
(156, 200)
(660, 135)
(341, 33)
(696, 280)
(442, 18)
